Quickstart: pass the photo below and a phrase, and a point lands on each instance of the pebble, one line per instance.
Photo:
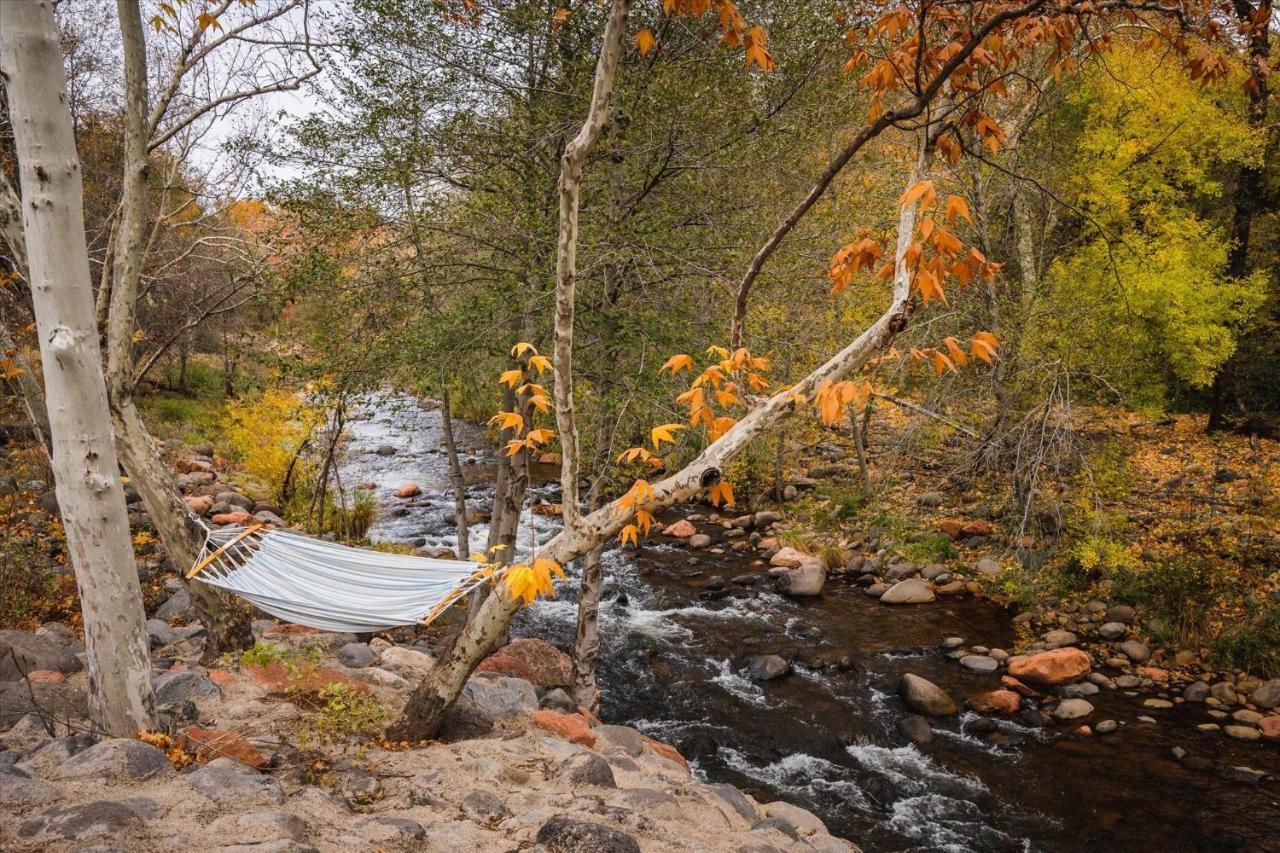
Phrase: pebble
(1072, 709)
(1242, 732)
(1106, 727)
(979, 663)
(1157, 703)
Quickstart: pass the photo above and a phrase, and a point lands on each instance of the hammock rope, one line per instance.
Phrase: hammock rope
(328, 585)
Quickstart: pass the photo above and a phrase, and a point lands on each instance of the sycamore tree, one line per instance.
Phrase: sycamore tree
(933, 71)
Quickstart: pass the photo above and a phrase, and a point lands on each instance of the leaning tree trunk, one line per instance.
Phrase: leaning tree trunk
(86, 472)
(436, 692)
(227, 627)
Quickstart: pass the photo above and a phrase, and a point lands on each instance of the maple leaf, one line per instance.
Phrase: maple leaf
(558, 19)
(718, 352)
(645, 41)
(941, 363)
(636, 497)
(540, 363)
(630, 533)
(644, 520)
(757, 50)
(720, 427)
(540, 436)
(953, 349)
(511, 377)
(631, 454)
(984, 346)
(204, 20)
(957, 206)
(665, 432)
(921, 191)
(508, 420)
(541, 402)
(721, 493)
(677, 363)
(522, 348)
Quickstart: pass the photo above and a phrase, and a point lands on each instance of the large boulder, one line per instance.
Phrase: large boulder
(1267, 695)
(789, 558)
(59, 701)
(224, 780)
(500, 695)
(534, 660)
(805, 579)
(182, 686)
(998, 702)
(565, 835)
(767, 667)
(22, 652)
(1046, 669)
(109, 819)
(909, 591)
(117, 758)
(18, 789)
(682, 529)
(925, 697)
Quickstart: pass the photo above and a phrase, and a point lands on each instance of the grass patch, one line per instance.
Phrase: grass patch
(1252, 644)
(930, 548)
(1178, 596)
(342, 713)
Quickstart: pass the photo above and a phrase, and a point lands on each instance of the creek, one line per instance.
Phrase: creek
(825, 736)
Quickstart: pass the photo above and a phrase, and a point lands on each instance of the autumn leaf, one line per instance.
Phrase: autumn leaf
(665, 432)
(720, 427)
(558, 19)
(955, 352)
(718, 352)
(511, 378)
(957, 206)
(541, 402)
(541, 436)
(984, 346)
(540, 363)
(508, 420)
(636, 497)
(644, 520)
(631, 454)
(721, 493)
(204, 20)
(521, 348)
(941, 363)
(645, 41)
(630, 533)
(757, 50)
(677, 363)
(920, 191)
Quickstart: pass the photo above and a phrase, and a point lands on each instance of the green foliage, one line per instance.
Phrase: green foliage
(342, 712)
(36, 589)
(267, 436)
(929, 548)
(1178, 596)
(1095, 556)
(1252, 644)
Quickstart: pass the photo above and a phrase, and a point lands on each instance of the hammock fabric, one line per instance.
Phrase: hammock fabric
(330, 586)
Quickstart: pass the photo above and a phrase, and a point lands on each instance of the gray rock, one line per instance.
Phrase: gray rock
(953, 642)
(502, 696)
(361, 787)
(27, 733)
(909, 591)
(59, 701)
(980, 663)
(586, 768)
(385, 450)
(1078, 690)
(389, 829)
(357, 655)
(934, 571)
(19, 790)
(901, 571)
(623, 738)
(558, 700)
(565, 835)
(766, 517)
(767, 667)
(699, 540)
(925, 697)
(226, 781)
(989, 567)
(262, 826)
(159, 633)
(931, 500)
(1072, 709)
(1196, 691)
(85, 821)
(1242, 732)
(1134, 650)
(465, 720)
(1120, 613)
(119, 759)
(916, 728)
(1268, 695)
(1224, 693)
(174, 687)
(484, 807)
(1058, 638)
(46, 758)
(806, 579)
(1113, 630)
(177, 607)
(1106, 727)
(22, 652)
(737, 801)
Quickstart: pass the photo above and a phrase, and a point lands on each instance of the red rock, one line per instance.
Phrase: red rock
(186, 466)
(1011, 683)
(977, 527)
(232, 518)
(1160, 676)
(1057, 666)
(46, 676)
(208, 744)
(221, 676)
(667, 751)
(571, 726)
(277, 679)
(1082, 731)
(549, 459)
(534, 660)
(951, 527)
(286, 628)
(1270, 727)
(409, 490)
(682, 529)
(998, 702)
(547, 509)
(200, 504)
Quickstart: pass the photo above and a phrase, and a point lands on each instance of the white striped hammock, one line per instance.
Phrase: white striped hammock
(328, 585)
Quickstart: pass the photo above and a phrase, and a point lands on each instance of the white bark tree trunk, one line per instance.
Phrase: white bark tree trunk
(84, 456)
(227, 628)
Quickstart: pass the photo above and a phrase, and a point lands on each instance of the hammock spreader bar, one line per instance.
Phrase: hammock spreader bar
(328, 585)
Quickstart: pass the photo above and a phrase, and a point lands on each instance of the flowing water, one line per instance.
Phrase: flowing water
(825, 737)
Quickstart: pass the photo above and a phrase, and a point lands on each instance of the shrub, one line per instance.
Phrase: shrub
(1180, 593)
(267, 436)
(930, 548)
(343, 712)
(1252, 644)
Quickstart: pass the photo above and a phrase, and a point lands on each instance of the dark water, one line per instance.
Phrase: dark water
(824, 736)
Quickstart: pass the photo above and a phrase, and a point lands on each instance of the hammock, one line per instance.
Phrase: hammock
(331, 586)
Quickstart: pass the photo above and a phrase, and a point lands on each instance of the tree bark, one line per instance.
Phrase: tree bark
(86, 471)
(227, 628)
(456, 478)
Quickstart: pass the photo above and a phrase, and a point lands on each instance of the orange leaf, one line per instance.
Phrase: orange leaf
(677, 363)
(645, 41)
(957, 206)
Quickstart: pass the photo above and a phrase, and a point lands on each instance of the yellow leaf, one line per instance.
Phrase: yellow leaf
(633, 453)
(541, 436)
(941, 363)
(677, 363)
(508, 420)
(204, 20)
(630, 533)
(953, 349)
(522, 348)
(541, 402)
(665, 433)
(726, 398)
(511, 378)
(721, 493)
(718, 352)
(645, 41)
(644, 520)
(720, 427)
(540, 363)
(514, 446)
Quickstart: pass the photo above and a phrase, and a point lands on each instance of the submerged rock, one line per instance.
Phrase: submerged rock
(925, 697)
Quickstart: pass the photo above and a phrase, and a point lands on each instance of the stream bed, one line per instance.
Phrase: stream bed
(825, 736)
